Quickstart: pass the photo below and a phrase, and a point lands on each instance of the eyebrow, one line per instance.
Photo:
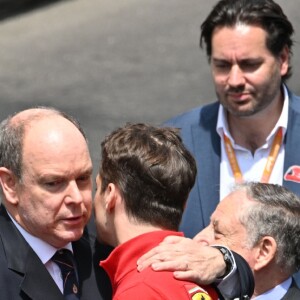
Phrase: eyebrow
(62, 176)
(88, 171)
(241, 61)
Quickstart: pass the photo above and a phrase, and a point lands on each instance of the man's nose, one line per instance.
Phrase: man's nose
(73, 193)
(236, 76)
(204, 237)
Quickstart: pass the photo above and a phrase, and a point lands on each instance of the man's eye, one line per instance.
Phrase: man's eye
(53, 183)
(217, 234)
(84, 178)
(250, 66)
(222, 66)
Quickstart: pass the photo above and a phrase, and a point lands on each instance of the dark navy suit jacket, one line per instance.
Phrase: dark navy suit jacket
(293, 292)
(24, 277)
(198, 131)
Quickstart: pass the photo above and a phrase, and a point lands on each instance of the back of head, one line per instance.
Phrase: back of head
(153, 171)
(276, 213)
(262, 13)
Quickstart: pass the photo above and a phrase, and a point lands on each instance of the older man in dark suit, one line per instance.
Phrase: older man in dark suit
(46, 181)
(261, 222)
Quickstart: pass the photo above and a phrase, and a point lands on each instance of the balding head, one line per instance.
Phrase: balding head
(14, 128)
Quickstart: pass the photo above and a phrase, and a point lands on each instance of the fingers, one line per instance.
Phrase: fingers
(147, 256)
(158, 249)
(161, 257)
(185, 275)
(143, 264)
(172, 249)
(155, 254)
(171, 265)
(157, 258)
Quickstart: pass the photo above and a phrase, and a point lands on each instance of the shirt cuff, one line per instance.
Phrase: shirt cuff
(228, 284)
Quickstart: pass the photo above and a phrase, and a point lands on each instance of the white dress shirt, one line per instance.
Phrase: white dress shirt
(251, 166)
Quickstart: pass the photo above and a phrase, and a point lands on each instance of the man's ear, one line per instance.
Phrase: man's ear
(112, 194)
(265, 252)
(8, 183)
(284, 60)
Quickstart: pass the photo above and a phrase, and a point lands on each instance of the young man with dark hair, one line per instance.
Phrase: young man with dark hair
(144, 180)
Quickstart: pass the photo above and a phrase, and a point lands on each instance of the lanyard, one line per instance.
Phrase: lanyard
(238, 176)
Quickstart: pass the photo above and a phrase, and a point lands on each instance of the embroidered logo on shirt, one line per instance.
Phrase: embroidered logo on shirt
(292, 174)
(197, 293)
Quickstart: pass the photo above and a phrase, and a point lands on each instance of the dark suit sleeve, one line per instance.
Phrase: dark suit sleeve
(239, 283)
(245, 276)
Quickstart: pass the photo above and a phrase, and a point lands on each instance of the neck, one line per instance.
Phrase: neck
(251, 132)
(267, 279)
(132, 229)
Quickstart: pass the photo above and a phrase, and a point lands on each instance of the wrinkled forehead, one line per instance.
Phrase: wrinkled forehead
(54, 139)
(233, 205)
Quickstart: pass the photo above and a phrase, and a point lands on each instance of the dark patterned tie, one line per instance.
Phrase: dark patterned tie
(64, 259)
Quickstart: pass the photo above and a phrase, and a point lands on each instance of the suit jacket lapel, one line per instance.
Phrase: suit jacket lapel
(206, 143)
(83, 256)
(293, 292)
(37, 283)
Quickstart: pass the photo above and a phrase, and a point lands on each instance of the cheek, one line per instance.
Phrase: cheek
(88, 204)
(247, 254)
(36, 216)
(231, 241)
(219, 80)
(87, 199)
(240, 247)
(34, 205)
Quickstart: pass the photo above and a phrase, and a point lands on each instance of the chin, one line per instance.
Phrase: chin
(246, 112)
(72, 236)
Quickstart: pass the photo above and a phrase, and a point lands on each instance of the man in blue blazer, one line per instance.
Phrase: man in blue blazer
(252, 132)
(198, 130)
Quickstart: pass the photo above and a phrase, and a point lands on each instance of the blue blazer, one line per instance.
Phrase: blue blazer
(198, 131)
(24, 277)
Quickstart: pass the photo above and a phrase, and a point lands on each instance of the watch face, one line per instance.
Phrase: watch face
(227, 259)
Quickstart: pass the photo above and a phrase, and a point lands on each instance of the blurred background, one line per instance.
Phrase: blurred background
(109, 62)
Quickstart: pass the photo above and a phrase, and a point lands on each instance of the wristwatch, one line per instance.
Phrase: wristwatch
(227, 256)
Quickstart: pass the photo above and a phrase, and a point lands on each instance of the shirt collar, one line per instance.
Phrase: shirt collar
(42, 249)
(222, 124)
(277, 292)
(122, 259)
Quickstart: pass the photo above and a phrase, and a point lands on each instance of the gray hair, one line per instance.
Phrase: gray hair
(276, 213)
(12, 135)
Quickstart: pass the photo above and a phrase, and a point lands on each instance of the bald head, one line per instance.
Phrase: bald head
(15, 127)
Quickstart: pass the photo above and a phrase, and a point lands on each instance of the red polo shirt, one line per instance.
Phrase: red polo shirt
(129, 284)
